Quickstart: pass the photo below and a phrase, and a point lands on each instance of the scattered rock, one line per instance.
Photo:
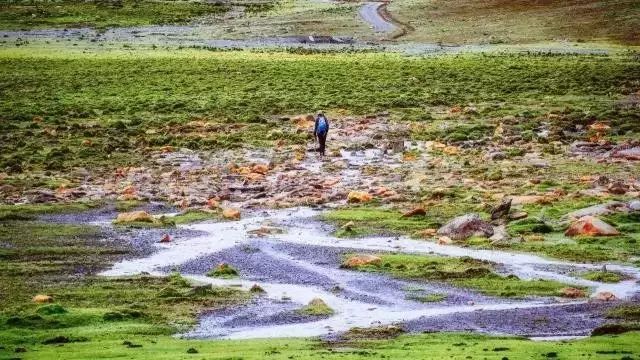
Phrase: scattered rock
(634, 205)
(495, 155)
(590, 226)
(362, 260)
(359, 197)
(605, 296)
(213, 203)
(166, 238)
(444, 240)
(135, 216)
(42, 299)
(427, 233)
(530, 199)
(192, 351)
(500, 237)
(256, 289)
(518, 215)
(260, 169)
(572, 293)
(501, 210)
(597, 210)
(618, 188)
(465, 226)
(419, 211)
(348, 226)
(265, 230)
(231, 214)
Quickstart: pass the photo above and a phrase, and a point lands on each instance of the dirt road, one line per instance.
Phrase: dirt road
(370, 12)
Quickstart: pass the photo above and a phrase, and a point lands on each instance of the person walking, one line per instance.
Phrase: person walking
(320, 131)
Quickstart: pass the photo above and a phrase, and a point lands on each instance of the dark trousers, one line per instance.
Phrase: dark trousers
(322, 139)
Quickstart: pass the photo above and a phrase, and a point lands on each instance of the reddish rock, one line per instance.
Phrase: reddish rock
(605, 296)
(362, 260)
(165, 238)
(359, 197)
(419, 211)
(231, 214)
(590, 226)
(572, 293)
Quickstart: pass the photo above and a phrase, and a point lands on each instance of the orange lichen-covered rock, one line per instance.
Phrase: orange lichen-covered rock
(362, 260)
(590, 226)
(231, 214)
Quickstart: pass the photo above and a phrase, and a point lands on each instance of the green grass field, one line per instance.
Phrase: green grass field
(100, 14)
(82, 106)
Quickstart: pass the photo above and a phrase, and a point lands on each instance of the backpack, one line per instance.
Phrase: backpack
(323, 125)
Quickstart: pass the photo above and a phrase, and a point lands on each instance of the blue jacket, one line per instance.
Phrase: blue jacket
(319, 129)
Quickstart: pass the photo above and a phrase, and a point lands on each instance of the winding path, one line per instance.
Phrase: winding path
(371, 13)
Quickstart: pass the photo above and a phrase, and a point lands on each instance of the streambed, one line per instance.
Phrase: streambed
(303, 263)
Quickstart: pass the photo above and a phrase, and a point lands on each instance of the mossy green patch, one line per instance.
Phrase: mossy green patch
(316, 307)
(224, 271)
(463, 272)
(428, 298)
(191, 216)
(31, 211)
(603, 276)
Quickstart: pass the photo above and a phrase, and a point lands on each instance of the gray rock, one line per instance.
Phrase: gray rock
(495, 155)
(465, 226)
(597, 210)
(634, 205)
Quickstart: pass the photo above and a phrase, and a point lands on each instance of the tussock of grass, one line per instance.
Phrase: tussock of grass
(224, 271)
(316, 307)
(603, 276)
(191, 216)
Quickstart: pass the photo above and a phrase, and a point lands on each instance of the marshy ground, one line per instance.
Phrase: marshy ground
(161, 196)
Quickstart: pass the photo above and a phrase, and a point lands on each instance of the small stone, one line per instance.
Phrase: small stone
(465, 226)
(444, 240)
(518, 215)
(358, 197)
(166, 238)
(257, 289)
(362, 260)
(42, 299)
(134, 216)
(419, 211)
(231, 214)
(618, 188)
(348, 226)
(605, 296)
(572, 293)
(427, 233)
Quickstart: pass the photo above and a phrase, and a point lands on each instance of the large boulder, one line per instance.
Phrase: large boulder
(362, 260)
(590, 226)
(134, 216)
(466, 226)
